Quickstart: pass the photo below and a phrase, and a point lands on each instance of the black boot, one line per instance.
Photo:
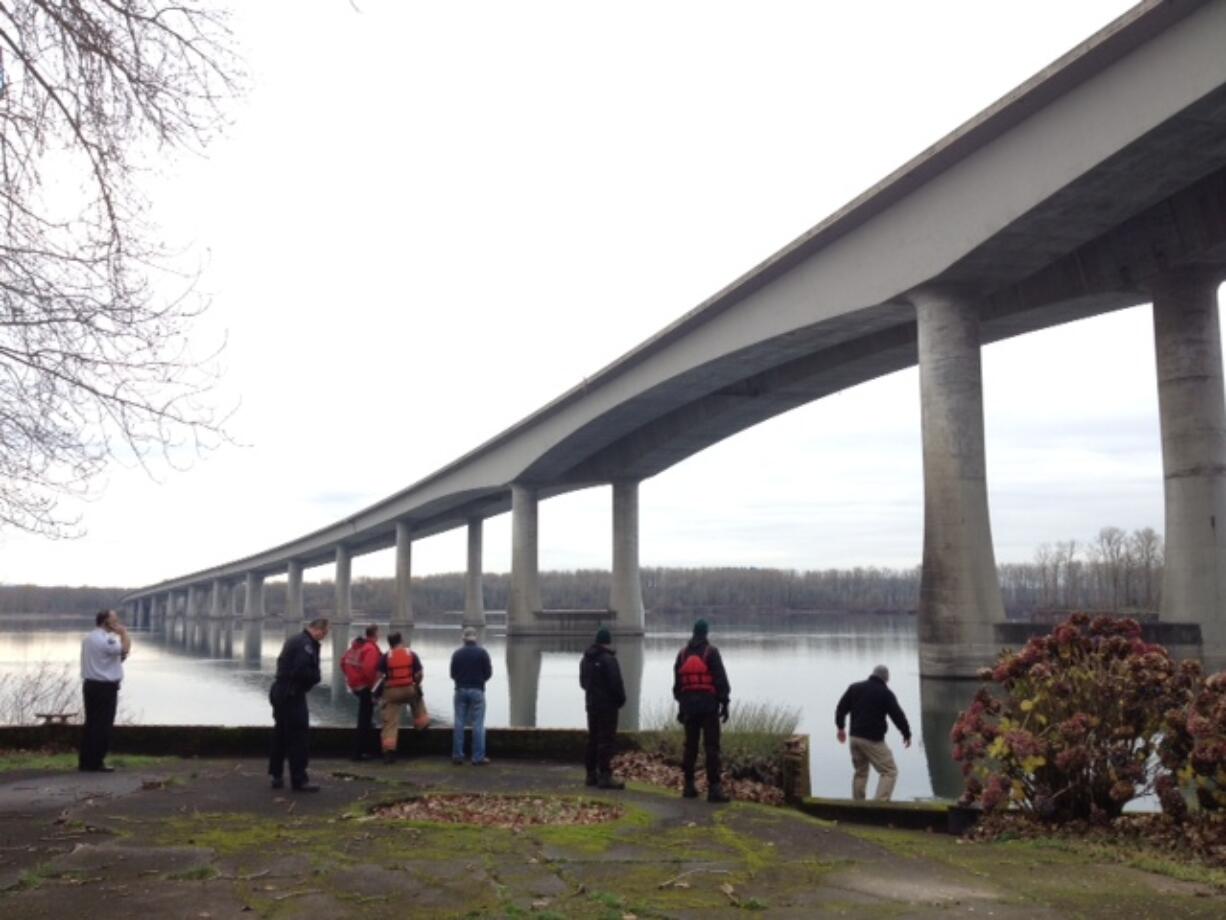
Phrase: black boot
(606, 781)
(592, 778)
(716, 794)
(690, 791)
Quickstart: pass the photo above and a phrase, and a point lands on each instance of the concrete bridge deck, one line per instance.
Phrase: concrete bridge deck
(1098, 184)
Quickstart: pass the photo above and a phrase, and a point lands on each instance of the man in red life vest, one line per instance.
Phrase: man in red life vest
(401, 670)
(361, 667)
(700, 685)
(600, 677)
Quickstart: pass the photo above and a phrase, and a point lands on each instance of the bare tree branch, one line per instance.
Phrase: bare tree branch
(96, 362)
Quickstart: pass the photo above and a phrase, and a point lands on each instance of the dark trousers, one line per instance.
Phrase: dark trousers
(289, 736)
(366, 739)
(101, 698)
(601, 732)
(708, 725)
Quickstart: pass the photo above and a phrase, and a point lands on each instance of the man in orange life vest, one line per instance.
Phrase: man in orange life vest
(600, 676)
(401, 670)
(361, 667)
(700, 685)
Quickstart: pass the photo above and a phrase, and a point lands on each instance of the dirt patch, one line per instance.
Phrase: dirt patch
(508, 811)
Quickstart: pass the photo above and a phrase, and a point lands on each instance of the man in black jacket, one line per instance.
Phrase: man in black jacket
(297, 672)
(869, 702)
(700, 685)
(601, 678)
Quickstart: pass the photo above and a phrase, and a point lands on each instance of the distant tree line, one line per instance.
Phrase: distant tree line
(59, 599)
(1114, 571)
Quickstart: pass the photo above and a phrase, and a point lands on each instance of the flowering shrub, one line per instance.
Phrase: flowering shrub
(1194, 748)
(1074, 734)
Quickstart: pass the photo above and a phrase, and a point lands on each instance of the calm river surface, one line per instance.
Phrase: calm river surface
(219, 675)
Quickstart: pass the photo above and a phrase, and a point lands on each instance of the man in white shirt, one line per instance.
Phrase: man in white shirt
(102, 654)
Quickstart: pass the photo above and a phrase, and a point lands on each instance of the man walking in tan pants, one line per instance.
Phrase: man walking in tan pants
(869, 702)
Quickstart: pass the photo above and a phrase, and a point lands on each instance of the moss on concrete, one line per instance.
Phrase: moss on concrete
(39, 760)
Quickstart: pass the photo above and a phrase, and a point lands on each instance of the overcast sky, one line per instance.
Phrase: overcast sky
(429, 219)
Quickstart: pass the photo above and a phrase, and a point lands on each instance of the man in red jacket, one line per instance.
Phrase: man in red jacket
(361, 667)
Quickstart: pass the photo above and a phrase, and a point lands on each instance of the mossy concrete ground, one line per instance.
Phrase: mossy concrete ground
(209, 839)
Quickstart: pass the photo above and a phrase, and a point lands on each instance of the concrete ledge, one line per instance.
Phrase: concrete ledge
(919, 816)
(254, 741)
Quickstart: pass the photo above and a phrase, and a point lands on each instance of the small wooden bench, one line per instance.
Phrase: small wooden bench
(54, 718)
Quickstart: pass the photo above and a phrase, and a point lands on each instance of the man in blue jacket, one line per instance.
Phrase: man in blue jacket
(869, 702)
(470, 669)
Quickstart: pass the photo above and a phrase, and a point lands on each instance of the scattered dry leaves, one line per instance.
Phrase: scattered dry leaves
(1201, 837)
(650, 768)
(510, 811)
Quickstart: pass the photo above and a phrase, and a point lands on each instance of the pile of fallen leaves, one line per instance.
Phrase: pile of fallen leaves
(651, 768)
(1200, 837)
(510, 811)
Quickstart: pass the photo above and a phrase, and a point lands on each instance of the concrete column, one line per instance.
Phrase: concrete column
(523, 680)
(402, 615)
(960, 600)
(474, 595)
(1192, 415)
(525, 594)
(253, 603)
(626, 597)
(344, 568)
(234, 596)
(191, 603)
(294, 614)
(168, 611)
(215, 607)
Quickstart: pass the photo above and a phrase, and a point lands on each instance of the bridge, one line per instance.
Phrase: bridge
(1098, 184)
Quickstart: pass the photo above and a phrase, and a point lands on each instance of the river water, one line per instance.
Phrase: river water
(218, 673)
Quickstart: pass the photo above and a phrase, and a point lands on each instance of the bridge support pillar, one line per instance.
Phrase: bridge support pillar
(253, 616)
(294, 615)
(402, 616)
(339, 627)
(215, 605)
(1192, 415)
(960, 601)
(474, 595)
(253, 600)
(626, 596)
(525, 595)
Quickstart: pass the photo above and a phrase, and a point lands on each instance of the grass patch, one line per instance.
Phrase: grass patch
(42, 760)
(593, 838)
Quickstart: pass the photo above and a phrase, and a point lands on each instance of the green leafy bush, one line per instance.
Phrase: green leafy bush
(1075, 731)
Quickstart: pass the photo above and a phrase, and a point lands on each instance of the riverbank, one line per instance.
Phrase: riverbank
(208, 838)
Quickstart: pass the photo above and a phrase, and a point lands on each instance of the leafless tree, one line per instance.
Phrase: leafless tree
(96, 362)
(45, 687)
(1145, 548)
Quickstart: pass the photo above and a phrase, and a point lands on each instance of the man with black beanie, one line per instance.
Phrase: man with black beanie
(700, 685)
(600, 677)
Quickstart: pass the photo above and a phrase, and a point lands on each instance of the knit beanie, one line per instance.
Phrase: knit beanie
(700, 629)
(603, 637)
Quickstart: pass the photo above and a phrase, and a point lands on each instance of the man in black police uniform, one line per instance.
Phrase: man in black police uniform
(297, 672)
(600, 677)
(700, 685)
